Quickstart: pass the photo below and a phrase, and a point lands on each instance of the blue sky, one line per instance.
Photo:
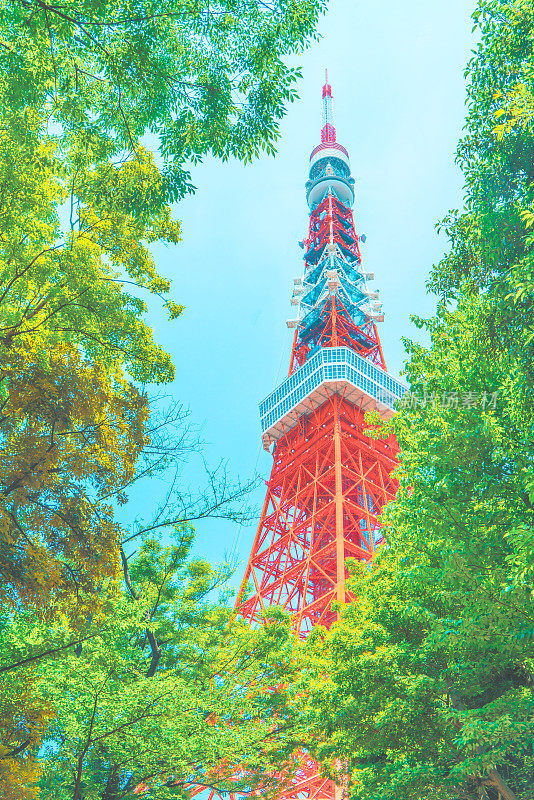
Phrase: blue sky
(396, 71)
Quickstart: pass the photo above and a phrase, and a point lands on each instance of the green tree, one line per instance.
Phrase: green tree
(203, 77)
(80, 203)
(71, 427)
(163, 691)
(425, 689)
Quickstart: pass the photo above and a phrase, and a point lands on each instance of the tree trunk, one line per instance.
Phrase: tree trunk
(495, 780)
(111, 792)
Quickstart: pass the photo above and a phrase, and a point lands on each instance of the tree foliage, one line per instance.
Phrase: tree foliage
(203, 77)
(425, 688)
(82, 200)
(68, 282)
(72, 438)
(80, 203)
(71, 428)
(161, 690)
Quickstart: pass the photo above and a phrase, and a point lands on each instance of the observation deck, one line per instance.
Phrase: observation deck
(331, 370)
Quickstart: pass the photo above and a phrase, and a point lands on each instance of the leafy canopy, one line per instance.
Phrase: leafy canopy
(203, 77)
(198, 713)
(81, 202)
(425, 688)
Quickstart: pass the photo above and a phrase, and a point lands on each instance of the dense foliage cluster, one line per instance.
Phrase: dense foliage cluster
(156, 691)
(430, 687)
(109, 657)
(203, 77)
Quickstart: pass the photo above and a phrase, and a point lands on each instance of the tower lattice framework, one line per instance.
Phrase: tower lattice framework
(329, 481)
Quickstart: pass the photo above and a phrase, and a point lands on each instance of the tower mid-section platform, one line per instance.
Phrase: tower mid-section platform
(330, 370)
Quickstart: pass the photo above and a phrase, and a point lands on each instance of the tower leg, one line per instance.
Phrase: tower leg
(340, 538)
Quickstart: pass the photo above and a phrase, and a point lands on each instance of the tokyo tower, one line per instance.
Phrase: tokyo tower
(329, 481)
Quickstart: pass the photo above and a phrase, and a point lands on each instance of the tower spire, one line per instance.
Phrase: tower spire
(328, 132)
(323, 460)
(329, 480)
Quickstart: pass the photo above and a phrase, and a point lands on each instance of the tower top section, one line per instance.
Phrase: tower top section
(336, 347)
(329, 161)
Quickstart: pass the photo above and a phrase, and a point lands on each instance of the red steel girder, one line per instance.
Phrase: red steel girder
(328, 485)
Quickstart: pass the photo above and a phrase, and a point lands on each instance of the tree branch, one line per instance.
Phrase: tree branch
(16, 750)
(495, 780)
(154, 647)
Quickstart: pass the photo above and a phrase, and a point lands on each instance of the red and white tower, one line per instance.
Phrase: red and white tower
(329, 481)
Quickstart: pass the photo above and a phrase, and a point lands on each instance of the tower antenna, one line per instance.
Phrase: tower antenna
(329, 481)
